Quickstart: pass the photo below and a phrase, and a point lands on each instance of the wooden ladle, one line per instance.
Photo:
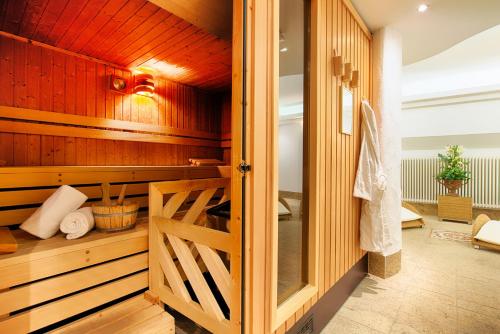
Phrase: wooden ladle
(121, 198)
(106, 200)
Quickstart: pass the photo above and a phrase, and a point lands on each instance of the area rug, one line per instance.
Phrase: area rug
(451, 235)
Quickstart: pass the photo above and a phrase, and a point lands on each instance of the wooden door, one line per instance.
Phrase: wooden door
(189, 248)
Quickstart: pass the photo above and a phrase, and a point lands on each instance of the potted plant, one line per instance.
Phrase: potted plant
(453, 174)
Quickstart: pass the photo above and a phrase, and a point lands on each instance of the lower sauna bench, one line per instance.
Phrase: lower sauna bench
(48, 281)
(135, 315)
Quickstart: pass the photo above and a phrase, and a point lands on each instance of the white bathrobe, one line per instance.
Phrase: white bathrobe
(379, 173)
(370, 185)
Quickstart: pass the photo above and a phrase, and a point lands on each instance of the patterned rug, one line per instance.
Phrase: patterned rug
(451, 235)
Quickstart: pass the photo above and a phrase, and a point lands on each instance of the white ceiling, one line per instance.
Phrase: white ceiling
(446, 23)
(470, 64)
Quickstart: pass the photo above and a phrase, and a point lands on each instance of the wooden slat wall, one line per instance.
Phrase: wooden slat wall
(38, 78)
(130, 33)
(226, 127)
(339, 211)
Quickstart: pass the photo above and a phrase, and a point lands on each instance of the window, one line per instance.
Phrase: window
(293, 152)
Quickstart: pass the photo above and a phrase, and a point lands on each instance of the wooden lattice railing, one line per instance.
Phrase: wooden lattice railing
(194, 258)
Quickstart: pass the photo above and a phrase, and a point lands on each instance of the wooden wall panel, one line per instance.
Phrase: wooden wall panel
(226, 127)
(42, 79)
(337, 30)
(130, 33)
(339, 211)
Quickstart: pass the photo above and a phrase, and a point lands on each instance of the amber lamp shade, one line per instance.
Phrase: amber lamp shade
(144, 85)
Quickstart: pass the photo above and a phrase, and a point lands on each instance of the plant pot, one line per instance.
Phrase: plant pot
(452, 186)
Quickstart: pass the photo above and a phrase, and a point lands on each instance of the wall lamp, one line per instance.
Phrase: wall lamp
(144, 85)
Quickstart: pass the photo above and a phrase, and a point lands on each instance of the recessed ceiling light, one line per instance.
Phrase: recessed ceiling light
(423, 7)
(285, 49)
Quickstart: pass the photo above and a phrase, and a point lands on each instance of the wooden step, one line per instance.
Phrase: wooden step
(134, 315)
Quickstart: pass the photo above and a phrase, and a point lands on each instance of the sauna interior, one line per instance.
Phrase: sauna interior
(97, 95)
(179, 166)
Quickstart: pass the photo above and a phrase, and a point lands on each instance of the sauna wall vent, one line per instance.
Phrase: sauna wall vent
(307, 327)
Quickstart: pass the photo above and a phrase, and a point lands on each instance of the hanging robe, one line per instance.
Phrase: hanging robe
(370, 186)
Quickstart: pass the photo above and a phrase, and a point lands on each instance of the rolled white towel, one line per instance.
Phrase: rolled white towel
(77, 223)
(44, 223)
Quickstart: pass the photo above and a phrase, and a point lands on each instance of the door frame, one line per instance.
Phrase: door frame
(263, 315)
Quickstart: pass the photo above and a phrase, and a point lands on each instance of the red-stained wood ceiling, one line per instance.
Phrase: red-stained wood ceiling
(129, 33)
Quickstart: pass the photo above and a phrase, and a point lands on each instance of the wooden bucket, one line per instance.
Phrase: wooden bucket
(112, 216)
(115, 217)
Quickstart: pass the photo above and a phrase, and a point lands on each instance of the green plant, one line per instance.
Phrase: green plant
(453, 166)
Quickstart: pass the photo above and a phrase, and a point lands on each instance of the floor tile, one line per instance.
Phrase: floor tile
(343, 325)
(417, 323)
(474, 323)
(443, 287)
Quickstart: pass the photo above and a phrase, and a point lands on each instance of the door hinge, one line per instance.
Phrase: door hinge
(244, 168)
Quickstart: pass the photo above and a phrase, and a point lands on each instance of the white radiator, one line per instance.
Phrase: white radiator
(419, 185)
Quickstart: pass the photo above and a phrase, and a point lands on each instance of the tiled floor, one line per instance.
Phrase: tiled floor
(443, 287)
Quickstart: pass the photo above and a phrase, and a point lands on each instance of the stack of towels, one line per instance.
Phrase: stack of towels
(61, 211)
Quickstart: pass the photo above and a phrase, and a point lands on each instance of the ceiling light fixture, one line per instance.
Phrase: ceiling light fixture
(423, 8)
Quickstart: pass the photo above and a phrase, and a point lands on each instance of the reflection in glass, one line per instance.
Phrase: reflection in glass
(292, 147)
(347, 110)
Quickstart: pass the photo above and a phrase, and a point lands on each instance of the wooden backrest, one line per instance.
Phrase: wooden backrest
(23, 189)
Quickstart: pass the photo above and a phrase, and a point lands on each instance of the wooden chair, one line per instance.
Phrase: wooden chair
(412, 223)
(476, 226)
(284, 215)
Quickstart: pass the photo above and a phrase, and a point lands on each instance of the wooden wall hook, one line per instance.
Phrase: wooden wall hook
(347, 72)
(355, 79)
(338, 69)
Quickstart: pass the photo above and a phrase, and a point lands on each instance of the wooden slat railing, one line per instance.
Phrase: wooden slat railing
(186, 244)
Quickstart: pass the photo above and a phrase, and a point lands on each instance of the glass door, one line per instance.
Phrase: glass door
(293, 152)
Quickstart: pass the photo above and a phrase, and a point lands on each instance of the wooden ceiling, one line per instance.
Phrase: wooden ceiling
(129, 33)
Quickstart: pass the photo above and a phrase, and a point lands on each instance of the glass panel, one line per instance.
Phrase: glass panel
(292, 147)
(347, 110)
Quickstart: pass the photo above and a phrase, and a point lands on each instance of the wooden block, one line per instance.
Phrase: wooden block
(355, 79)
(455, 208)
(8, 243)
(347, 72)
(338, 69)
(384, 266)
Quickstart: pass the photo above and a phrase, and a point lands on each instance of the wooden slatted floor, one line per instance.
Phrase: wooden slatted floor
(135, 315)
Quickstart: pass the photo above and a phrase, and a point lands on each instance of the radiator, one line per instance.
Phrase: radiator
(419, 185)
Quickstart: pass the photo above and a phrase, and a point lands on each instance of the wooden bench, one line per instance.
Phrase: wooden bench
(479, 222)
(412, 223)
(134, 315)
(49, 281)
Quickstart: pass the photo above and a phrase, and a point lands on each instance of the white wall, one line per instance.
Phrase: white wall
(290, 148)
(454, 98)
(290, 155)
